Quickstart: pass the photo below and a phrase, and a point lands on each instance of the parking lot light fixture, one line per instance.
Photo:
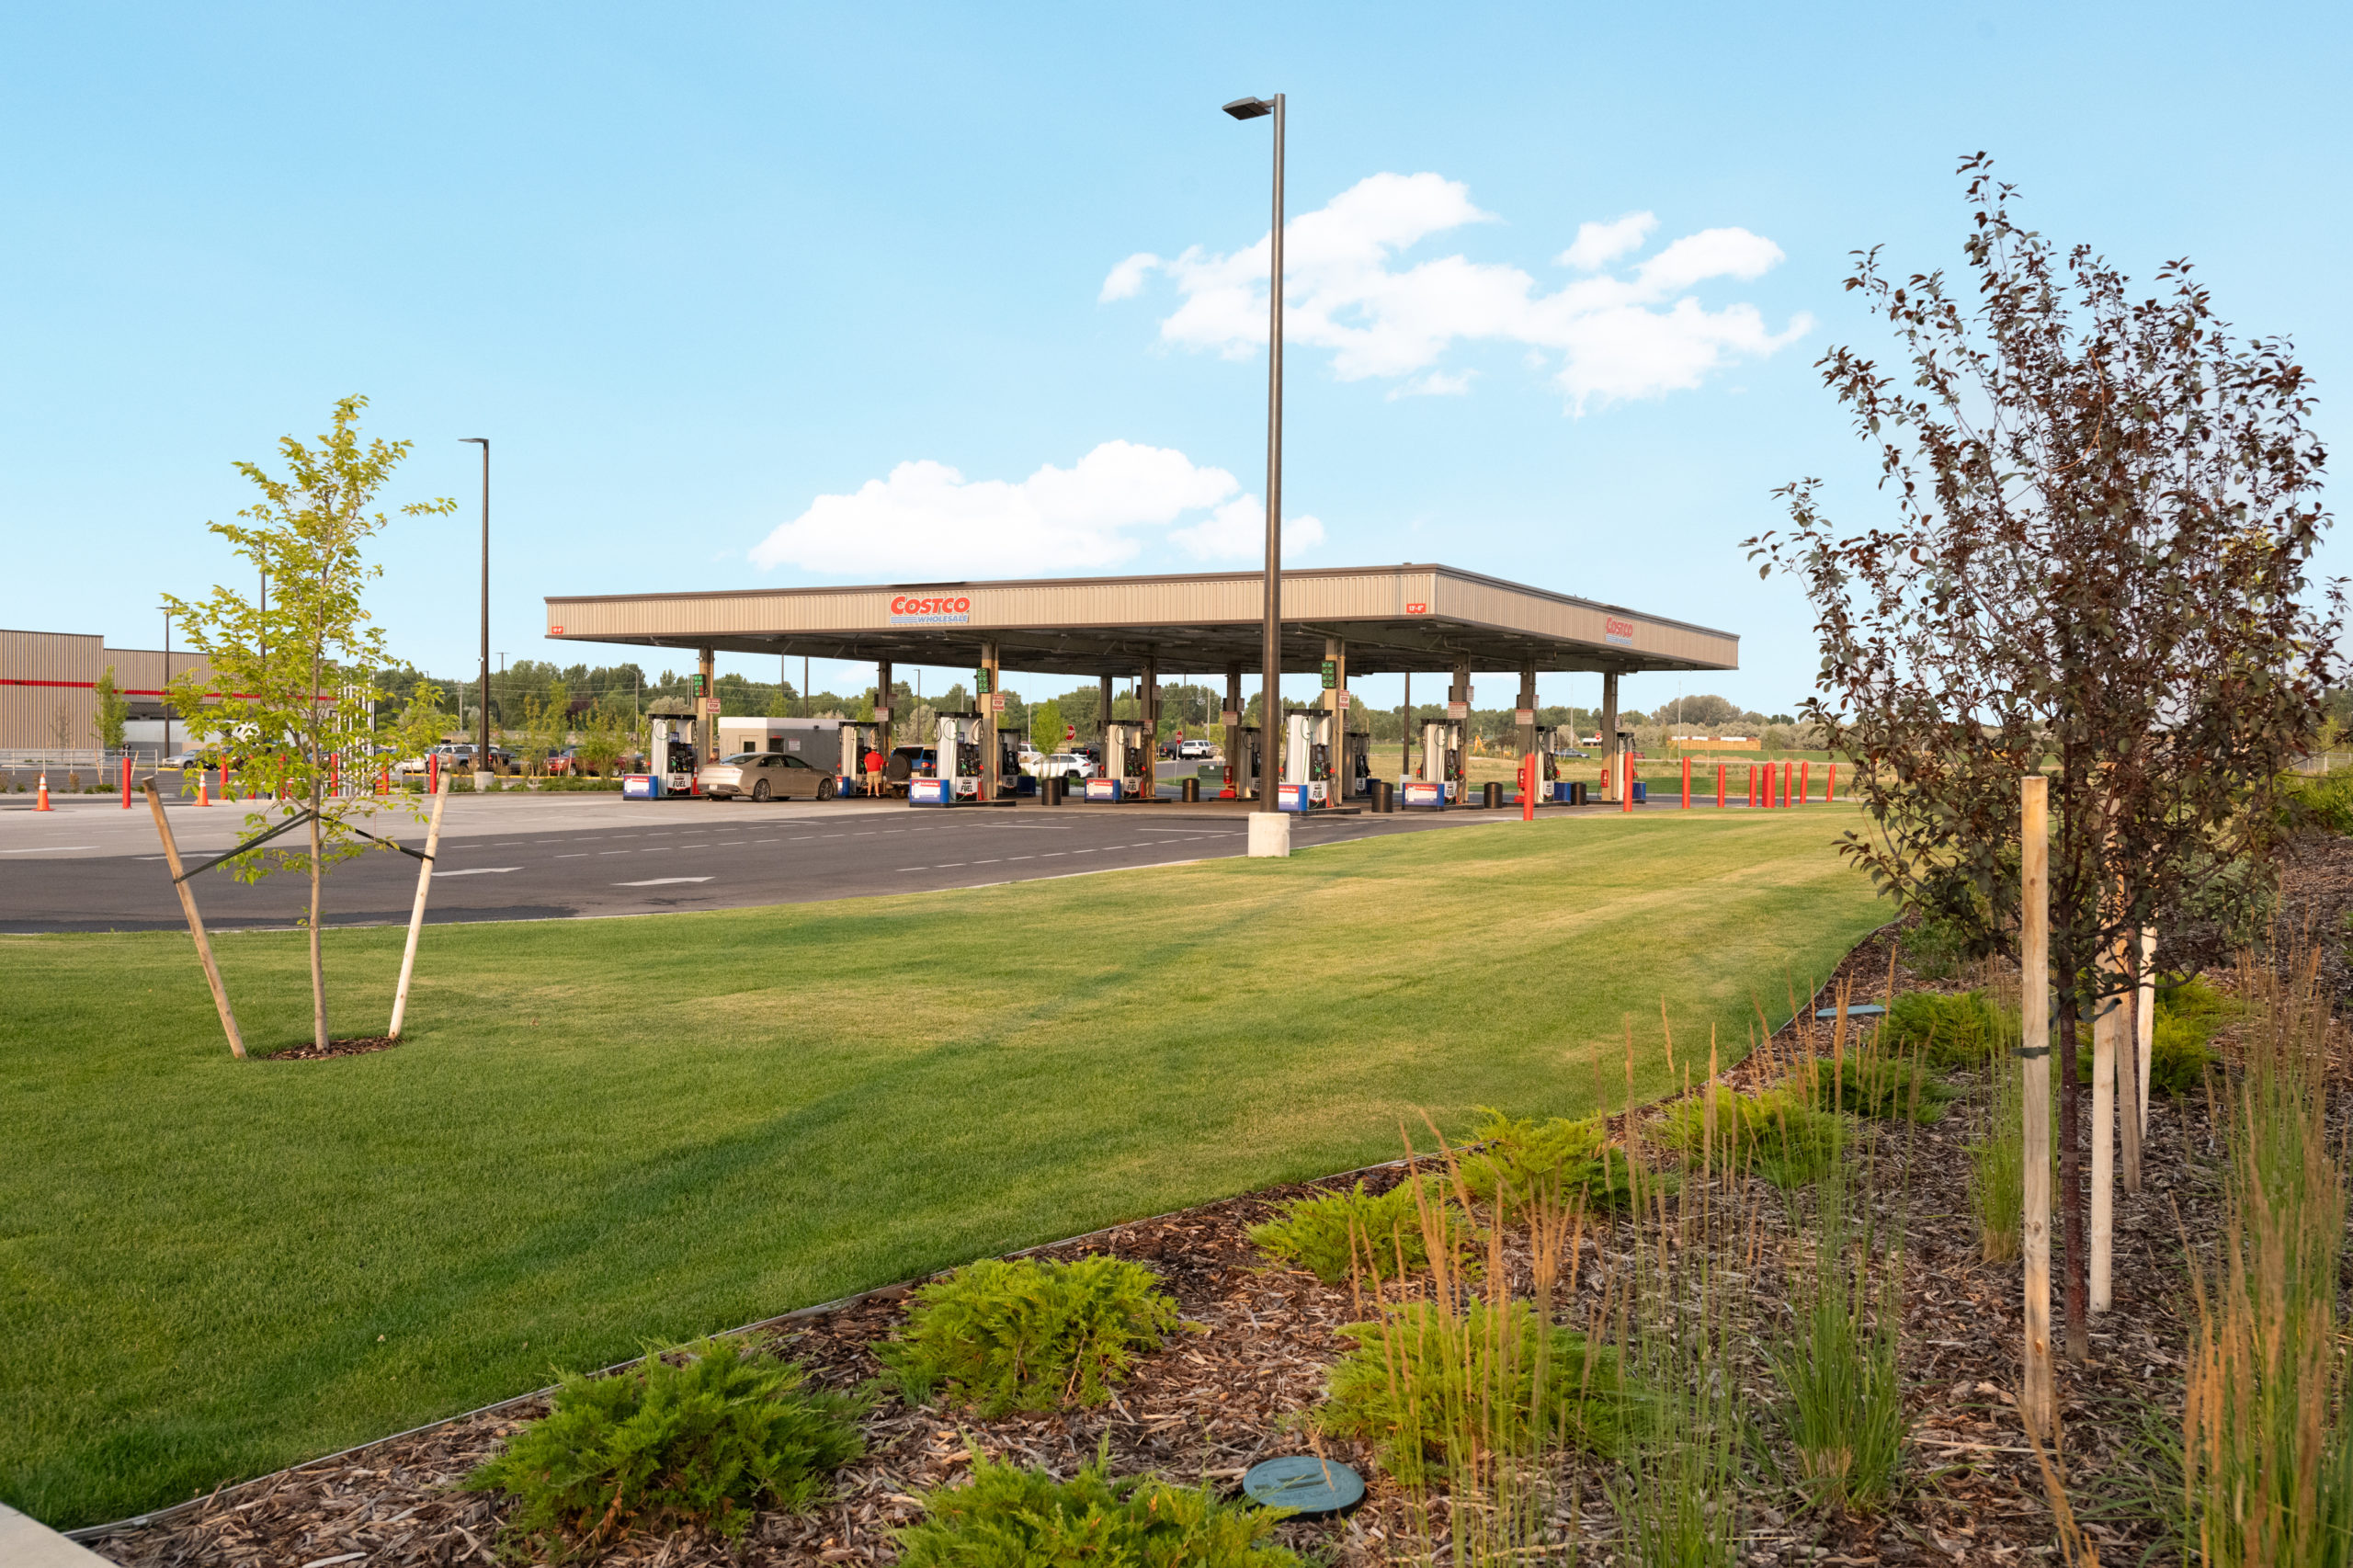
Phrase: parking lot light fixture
(1270, 704)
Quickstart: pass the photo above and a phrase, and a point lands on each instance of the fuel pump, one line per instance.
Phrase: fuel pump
(672, 763)
(1008, 766)
(1554, 742)
(1356, 762)
(1438, 784)
(1127, 764)
(1242, 767)
(850, 773)
(957, 775)
(1307, 762)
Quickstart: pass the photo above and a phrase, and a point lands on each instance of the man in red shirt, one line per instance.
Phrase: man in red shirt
(875, 763)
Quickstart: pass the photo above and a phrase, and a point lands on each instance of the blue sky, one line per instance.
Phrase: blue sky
(713, 278)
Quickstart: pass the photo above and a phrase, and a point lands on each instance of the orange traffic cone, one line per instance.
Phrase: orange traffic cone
(41, 800)
(201, 798)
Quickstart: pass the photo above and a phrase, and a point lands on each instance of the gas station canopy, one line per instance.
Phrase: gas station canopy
(1405, 617)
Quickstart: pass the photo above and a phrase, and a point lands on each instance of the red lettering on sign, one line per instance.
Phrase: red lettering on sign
(1613, 627)
(1417, 610)
(902, 605)
(555, 631)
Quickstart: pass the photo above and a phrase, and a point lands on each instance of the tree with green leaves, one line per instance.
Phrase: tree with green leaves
(1045, 725)
(302, 727)
(113, 711)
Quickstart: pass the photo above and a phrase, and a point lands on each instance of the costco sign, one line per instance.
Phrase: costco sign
(1619, 631)
(945, 610)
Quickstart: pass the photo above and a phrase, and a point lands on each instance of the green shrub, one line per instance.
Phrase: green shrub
(704, 1442)
(1006, 1517)
(1522, 1160)
(1777, 1133)
(1943, 1031)
(1029, 1335)
(2323, 800)
(1430, 1388)
(1330, 1233)
(1876, 1085)
(2178, 1055)
(1936, 948)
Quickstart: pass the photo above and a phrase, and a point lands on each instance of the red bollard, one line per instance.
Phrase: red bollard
(126, 783)
(433, 773)
(1805, 779)
(1719, 786)
(1527, 788)
(1751, 784)
(1787, 769)
(1830, 785)
(1687, 782)
(1625, 781)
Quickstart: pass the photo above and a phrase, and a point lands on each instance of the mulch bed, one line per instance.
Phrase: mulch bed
(359, 1045)
(1212, 1403)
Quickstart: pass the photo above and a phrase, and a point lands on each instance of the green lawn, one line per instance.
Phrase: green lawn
(607, 1132)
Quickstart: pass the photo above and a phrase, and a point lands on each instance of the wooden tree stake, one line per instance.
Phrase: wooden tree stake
(2128, 1074)
(2145, 1016)
(417, 912)
(195, 921)
(2040, 1404)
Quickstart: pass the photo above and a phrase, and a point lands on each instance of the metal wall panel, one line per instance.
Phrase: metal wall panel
(46, 676)
(140, 670)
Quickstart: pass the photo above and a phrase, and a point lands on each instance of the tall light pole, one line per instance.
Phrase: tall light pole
(482, 749)
(1271, 716)
(167, 687)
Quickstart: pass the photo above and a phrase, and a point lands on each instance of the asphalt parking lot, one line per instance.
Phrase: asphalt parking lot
(91, 866)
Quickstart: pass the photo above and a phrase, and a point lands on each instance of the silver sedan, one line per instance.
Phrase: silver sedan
(766, 775)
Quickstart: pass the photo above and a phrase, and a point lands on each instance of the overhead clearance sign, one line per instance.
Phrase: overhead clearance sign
(908, 609)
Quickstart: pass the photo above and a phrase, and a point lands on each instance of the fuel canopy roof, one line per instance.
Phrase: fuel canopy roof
(1405, 618)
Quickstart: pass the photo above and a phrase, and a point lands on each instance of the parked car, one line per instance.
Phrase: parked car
(184, 759)
(1068, 765)
(909, 762)
(1195, 751)
(766, 775)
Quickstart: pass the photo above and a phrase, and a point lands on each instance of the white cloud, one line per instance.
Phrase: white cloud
(927, 521)
(1619, 336)
(1598, 244)
(1438, 384)
(1127, 278)
(1237, 531)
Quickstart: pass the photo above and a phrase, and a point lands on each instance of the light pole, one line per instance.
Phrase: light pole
(482, 747)
(1270, 830)
(167, 688)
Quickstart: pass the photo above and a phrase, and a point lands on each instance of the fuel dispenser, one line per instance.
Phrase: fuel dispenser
(1242, 768)
(1307, 762)
(1439, 783)
(1554, 744)
(1127, 764)
(1010, 779)
(1356, 762)
(958, 778)
(673, 764)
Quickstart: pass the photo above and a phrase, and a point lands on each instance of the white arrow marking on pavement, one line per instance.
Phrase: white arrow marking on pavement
(658, 881)
(476, 872)
(45, 848)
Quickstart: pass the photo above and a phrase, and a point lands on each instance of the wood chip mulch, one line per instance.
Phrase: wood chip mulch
(359, 1045)
(1213, 1403)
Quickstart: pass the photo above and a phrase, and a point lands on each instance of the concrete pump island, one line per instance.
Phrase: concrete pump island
(1336, 621)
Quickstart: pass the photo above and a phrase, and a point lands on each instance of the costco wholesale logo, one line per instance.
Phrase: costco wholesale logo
(1619, 631)
(907, 610)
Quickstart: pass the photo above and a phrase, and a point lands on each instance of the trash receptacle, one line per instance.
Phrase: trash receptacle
(1491, 795)
(1191, 790)
(1384, 796)
(1642, 793)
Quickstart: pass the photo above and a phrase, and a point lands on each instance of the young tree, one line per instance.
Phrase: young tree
(1045, 725)
(2103, 510)
(113, 711)
(301, 667)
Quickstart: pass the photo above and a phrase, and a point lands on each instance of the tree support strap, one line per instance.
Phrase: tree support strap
(296, 820)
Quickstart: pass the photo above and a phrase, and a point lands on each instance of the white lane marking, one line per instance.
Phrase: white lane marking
(479, 871)
(44, 848)
(575, 854)
(1051, 853)
(616, 851)
(658, 881)
(948, 865)
(1021, 858)
(904, 869)
(989, 862)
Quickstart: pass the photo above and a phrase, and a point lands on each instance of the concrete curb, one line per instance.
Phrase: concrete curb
(25, 1542)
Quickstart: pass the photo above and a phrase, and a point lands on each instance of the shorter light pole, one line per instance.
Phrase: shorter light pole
(167, 688)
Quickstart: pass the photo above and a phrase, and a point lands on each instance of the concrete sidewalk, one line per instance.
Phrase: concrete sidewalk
(27, 1543)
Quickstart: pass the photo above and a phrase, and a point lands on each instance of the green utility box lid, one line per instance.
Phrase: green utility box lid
(1306, 1484)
